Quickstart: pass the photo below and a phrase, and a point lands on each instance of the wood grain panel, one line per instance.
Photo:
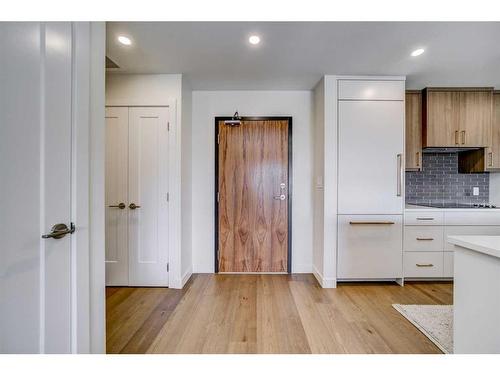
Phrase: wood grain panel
(253, 227)
(441, 111)
(413, 130)
(493, 152)
(475, 118)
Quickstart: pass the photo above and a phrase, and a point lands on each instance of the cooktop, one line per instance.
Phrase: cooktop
(454, 205)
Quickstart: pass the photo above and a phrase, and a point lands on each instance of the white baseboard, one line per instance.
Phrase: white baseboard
(301, 268)
(324, 281)
(178, 283)
(187, 275)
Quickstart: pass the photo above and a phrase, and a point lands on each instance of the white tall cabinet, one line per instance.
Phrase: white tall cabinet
(370, 175)
(137, 196)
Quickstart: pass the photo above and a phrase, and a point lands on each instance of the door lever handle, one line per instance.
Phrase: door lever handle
(59, 231)
(121, 206)
(133, 206)
(281, 197)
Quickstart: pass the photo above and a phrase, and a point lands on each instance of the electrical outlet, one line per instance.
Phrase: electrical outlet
(475, 190)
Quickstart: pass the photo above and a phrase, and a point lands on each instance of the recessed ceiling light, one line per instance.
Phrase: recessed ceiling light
(124, 40)
(417, 52)
(254, 39)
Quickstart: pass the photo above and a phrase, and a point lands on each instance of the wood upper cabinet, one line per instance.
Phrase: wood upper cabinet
(493, 152)
(475, 118)
(440, 110)
(413, 136)
(456, 117)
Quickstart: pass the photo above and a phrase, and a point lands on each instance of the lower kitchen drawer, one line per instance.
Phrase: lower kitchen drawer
(423, 264)
(448, 264)
(423, 238)
(370, 246)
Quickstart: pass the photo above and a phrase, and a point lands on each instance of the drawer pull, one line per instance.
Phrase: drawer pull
(371, 222)
(425, 218)
(425, 239)
(425, 265)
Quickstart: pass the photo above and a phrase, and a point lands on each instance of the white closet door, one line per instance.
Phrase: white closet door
(148, 188)
(37, 286)
(370, 140)
(116, 194)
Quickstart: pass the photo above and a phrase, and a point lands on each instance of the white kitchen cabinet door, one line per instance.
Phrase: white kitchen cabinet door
(38, 282)
(370, 246)
(448, 263)
(370, 170)
(148, 189)
(423, 238)
(116, 199)
(423, 264)
(371, 90)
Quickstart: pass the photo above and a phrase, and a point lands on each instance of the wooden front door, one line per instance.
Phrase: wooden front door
(253, 196)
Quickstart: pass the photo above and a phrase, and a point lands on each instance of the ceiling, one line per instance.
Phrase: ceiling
(294, 55)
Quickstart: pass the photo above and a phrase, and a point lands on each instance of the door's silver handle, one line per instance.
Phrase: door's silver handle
(121, 206)
(400, 173)
(133, 206)
(59, 231)
(281, 197)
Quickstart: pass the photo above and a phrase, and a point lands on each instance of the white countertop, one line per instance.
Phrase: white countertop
(489, 245)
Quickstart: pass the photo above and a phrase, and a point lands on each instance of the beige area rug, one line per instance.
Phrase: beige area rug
(434, 321)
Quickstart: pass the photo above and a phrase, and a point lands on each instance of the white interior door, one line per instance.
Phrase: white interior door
(148, 191)
(36, 281)
(117, 196)
(370, 170)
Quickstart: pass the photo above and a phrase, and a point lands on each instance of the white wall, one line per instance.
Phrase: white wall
(166, 90)
(209, 104)
(319, 164)
(97, 295)
(325, 180)
(186, 181)
(142, 89)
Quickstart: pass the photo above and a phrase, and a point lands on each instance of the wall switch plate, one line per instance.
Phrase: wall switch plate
(475, 190)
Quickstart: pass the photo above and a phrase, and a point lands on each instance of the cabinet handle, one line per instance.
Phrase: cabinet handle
(400, 174)
(425, 239)
(456, 137)
(418, 158)
(490, 163)
(463, 136)
(425, 218)
(425, 265)
(371, 222)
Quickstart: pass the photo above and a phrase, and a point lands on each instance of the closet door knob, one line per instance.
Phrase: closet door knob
(133, 206)
(121, 206)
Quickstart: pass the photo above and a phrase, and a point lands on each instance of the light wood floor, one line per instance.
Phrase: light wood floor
(268, 314)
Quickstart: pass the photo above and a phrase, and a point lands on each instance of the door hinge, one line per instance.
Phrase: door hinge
(168, 267)
(217, 138)
(217, 196)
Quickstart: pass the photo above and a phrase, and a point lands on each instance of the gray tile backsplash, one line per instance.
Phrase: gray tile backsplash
(439, 181)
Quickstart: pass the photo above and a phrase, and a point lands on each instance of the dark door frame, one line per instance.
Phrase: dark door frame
(289, 182)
